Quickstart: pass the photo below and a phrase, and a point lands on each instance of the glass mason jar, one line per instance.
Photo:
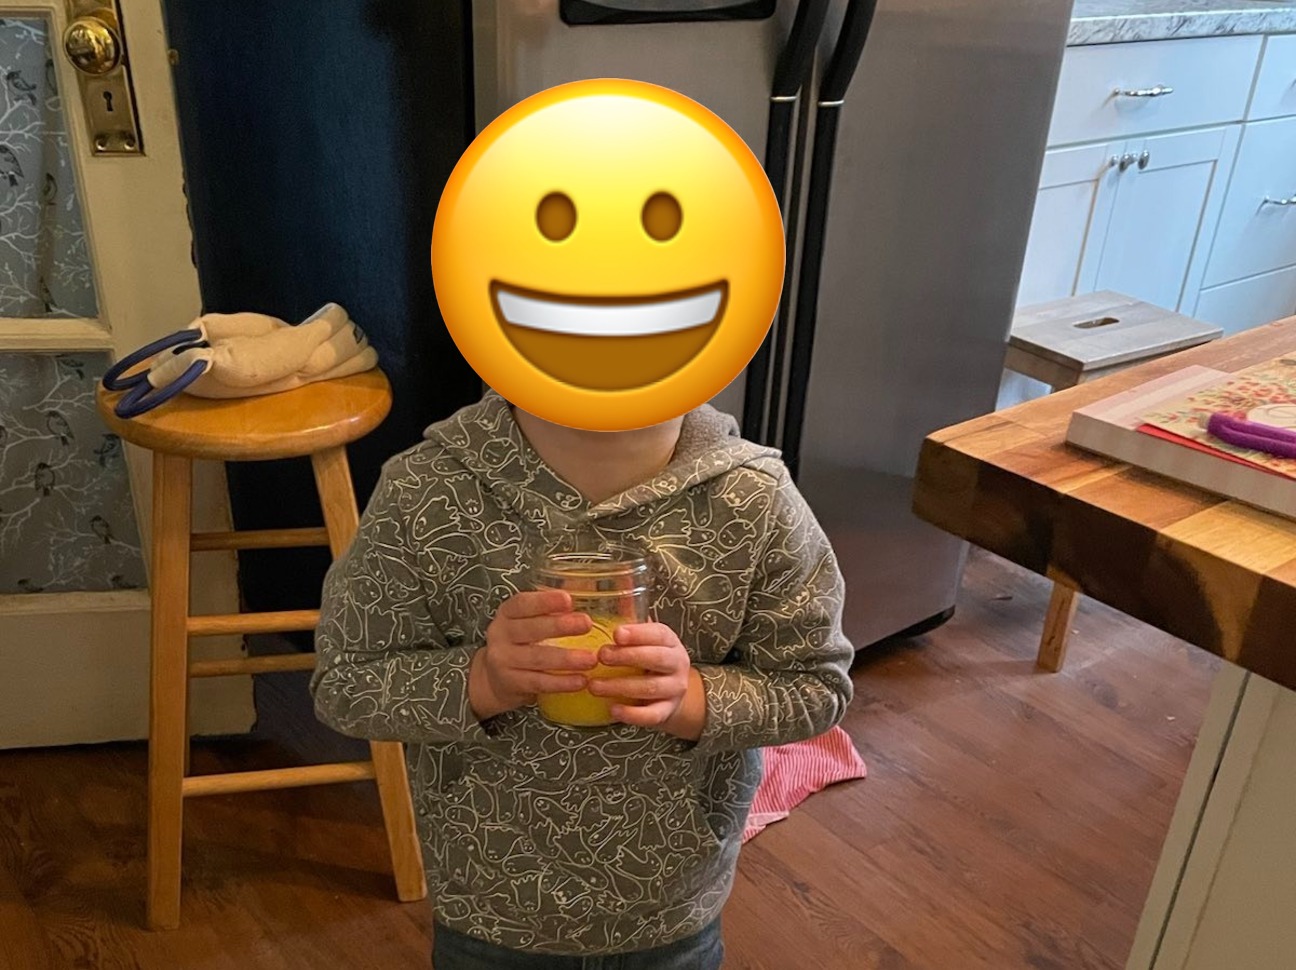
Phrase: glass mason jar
(611, 587)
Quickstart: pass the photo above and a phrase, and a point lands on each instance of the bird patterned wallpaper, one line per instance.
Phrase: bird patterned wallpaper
(66, 519)
(44, 263)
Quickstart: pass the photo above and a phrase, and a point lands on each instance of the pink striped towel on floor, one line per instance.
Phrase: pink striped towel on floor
(794, 772)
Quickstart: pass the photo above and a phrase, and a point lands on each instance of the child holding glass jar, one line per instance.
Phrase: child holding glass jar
(583, 728)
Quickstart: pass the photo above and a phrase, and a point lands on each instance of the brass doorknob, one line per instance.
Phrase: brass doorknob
(92, 43)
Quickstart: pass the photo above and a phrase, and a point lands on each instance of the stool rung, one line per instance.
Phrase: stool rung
(232, 783)
(221, 624)
(252, 665)
(258, 539)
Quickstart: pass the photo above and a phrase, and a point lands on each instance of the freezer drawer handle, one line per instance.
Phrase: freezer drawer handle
(1159, 91)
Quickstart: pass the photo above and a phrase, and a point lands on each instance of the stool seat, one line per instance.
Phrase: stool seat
(291, 424)
(1081, 338)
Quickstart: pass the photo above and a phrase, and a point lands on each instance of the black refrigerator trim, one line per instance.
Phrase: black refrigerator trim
(790, 75)
(581, 13)
(832, 93)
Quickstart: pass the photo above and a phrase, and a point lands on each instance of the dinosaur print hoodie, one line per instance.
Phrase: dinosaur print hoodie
(563, 840)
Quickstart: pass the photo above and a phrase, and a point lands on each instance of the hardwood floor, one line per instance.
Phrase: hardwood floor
(1010, 819)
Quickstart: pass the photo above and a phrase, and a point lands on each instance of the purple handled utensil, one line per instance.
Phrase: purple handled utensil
(1280, 442)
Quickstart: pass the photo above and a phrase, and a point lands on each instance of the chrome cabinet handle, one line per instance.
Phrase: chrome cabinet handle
(1143, 160)
(1123, 161)
(1269, 201)
(1159, 91)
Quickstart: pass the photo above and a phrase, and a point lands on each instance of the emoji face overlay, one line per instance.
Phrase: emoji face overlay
(608, 254)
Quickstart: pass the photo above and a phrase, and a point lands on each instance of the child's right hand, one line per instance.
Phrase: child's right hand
(515, 664)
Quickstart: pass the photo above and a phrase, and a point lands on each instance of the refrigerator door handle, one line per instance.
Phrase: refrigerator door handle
(846, 56)
(832, 93)
(790, 76)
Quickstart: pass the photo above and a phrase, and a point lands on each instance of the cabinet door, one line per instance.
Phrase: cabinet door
(1248, 303)
(1164, 216)
(1073, 206)
(1256, 236)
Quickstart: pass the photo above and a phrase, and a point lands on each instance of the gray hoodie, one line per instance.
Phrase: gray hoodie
(578, 840)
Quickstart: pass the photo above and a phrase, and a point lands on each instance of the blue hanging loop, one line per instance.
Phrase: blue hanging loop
(113, 380)
(142, 397)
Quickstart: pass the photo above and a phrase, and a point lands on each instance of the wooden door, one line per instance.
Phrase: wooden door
(95, 260)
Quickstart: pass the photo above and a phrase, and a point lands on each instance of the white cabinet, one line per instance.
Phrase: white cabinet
(1168, 199)
(1275, 88)
(1248, 303)
(1207, 127)
(1225, 888)
(1255, 235)
(1073, 204)
(1119, 90)
(1125, 216)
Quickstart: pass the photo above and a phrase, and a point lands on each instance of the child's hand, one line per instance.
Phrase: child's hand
(657, 696)
(515, 665)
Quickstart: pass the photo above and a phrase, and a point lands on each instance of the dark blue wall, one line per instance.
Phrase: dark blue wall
(317, 139)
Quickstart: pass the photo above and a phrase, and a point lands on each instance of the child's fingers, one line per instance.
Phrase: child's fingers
(542, 657)
(535, 682)
(643, 715)
(535, 602)
(636, 688)
(656, 659)
(645, 634)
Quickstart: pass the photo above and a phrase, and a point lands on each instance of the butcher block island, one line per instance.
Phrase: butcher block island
(1218, 574)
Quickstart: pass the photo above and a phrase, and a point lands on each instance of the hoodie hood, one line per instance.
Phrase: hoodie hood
(486, 440)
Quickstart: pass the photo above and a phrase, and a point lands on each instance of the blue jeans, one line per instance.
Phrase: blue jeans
(456, 951)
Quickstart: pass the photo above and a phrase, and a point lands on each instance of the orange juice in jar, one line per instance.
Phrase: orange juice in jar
(611, 588)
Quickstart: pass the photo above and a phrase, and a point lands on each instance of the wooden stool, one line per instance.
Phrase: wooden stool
(1079, 339)
(317, 420)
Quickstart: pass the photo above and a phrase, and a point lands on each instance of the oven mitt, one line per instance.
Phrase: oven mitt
(229, 355)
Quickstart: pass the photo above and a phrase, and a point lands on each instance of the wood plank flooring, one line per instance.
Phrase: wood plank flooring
(1011, 819)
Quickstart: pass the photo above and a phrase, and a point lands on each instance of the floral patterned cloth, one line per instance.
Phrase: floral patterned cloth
(1264, 385)
(565, 840)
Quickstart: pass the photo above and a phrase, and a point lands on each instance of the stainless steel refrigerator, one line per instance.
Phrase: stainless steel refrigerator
(904, 139)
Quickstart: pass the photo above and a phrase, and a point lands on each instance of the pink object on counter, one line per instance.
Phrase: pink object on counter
(794, 772)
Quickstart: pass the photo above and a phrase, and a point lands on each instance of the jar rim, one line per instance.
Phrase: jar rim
(624, 571)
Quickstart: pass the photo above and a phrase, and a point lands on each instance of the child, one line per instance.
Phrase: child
(547, 844)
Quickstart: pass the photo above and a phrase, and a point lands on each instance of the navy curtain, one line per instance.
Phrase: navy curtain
(317, 139)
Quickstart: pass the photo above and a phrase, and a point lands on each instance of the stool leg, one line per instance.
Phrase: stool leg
(1057, 627)
(341, 517)
(168, 684)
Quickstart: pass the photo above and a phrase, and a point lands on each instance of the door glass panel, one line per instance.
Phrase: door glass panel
(44, 261)
(66, 519)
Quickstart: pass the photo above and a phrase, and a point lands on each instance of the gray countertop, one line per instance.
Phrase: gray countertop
(1114, 21)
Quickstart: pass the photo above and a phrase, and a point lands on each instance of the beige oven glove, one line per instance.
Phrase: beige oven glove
(250, 354)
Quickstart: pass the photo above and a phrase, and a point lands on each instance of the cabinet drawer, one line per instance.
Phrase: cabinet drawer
(1255, 236)
(1249, 303)
(1275, 91)
(1210, 78)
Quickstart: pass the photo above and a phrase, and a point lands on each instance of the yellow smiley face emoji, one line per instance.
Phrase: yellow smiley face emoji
(608, 254)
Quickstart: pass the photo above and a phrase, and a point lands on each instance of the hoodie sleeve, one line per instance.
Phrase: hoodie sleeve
(791, 678)
(384, 671)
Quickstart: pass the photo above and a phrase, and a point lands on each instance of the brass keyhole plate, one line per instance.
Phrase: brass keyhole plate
(95, 44)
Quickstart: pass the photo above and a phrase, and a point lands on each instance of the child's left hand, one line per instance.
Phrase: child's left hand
(656, 696)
